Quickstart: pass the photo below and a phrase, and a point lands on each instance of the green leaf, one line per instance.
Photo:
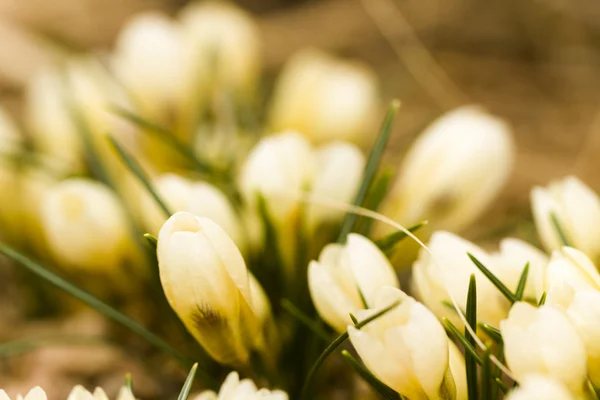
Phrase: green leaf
(307, 321)
(470, 361)
(375, 197)
(187, 386)
(129, 382)
(387, 243)
(448, 304)
(139, 173)
(453, 331)
(165, 135)
(151, 240)
(370, 170)
(353, 318)
(334, 345)
(93, 302)
(492, 332)
(501, 385)
(495, 281)
(522, 283)
(385, 391)
(542, 300)
(559, 229)
(487, 380)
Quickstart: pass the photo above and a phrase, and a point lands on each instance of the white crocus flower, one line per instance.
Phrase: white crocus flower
(577, 209)
(406, 348)
(37, 393)
(346, 274)
(569, 265)
(540, 387)
(543, 341)
(235, 389)
(207, 284)
(453, 170)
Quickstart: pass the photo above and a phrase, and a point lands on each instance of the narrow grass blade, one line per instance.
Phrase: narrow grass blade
(354, 319)
(387, 243)
(385, 391)
(165, 135)
(522, 282)
(503, 388)
(370, 169)
(129, 382)
(375, 197)
(487, 380)
(151, 240)
(495, 281)
(448, 304)
(93, 302)
(187, 386)
(139, 173)
(334, 345)
(492, 332)
(305, 319)
(542, 300)
(470, 362)
(453, 331)
(559, 229)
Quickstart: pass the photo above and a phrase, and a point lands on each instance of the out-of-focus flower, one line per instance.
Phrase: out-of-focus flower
(233, 388)
(326, 98)
(199, 198)
(339, 167)
(543, 341)
(225, 45)
(458, 371)
(432, 281)
(345, 275)
(37, 393)
(514, 254)
(407, 348)
(10, 142)
(582, 307)
(453, 170)
(85, 226)
(540, 387)
(569, 265)
(208, 285)
(80, 393)
(577, 209)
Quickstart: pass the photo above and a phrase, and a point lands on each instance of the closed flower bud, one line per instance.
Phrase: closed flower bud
(345, 275)
(582, 307)
(233, 389)
(453, 171)
(569, 265)
(340, 167)
(540, 387)
(577, 210)
(207, 284)
(543, 341)
(80, 393)
(514, 254)
(326, 98)
(199, 198)
(407, 348)
(150, 60)
(452, 273)
(85, 226)
(225, 45)
(37, 393)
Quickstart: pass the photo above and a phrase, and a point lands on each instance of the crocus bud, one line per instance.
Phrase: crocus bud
(199, 198)
(85, 226)
(453, 170)
(514, 254)
(225, 45)
(582, 307)
(80, 393)
(569, 265)
(345, 275)
(407, 348)
(543, 341)
(452, 273)
(326, 98)
(340, 167)
(577, 210)
(537, 387)
(207, 284)
(233, 388)
(150, 60)
(37, 393)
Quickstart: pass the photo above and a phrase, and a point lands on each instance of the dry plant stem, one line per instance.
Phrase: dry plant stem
(416, 58)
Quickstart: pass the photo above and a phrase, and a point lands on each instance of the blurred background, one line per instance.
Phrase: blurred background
(534, 63)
